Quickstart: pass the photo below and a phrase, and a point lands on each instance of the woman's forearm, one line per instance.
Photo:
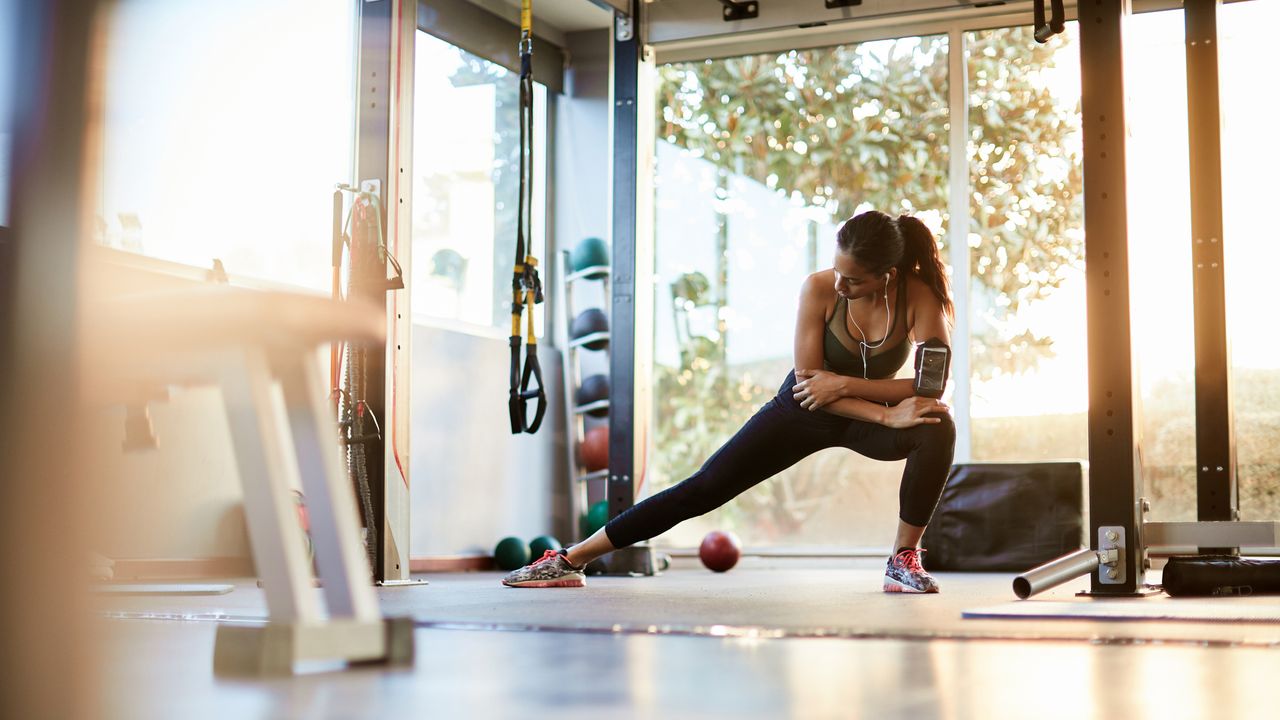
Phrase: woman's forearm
(892, 390)
(857, 409)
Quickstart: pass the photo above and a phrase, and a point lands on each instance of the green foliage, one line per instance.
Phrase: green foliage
(1026, 180)
(837, 127)
(868, 124)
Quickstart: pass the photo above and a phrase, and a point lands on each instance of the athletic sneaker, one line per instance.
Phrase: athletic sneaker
(905, 574)
(550, 570)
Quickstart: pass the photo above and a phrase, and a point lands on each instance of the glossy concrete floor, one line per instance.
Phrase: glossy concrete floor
(162, 668)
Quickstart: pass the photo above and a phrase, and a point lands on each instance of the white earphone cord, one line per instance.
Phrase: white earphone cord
(862, 343)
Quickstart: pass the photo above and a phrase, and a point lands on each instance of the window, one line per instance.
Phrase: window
(1029, 398)
(226, 129)
(1161, 320)
(759, 159)
(466, 167)
(1250, 156)
(1162, 324)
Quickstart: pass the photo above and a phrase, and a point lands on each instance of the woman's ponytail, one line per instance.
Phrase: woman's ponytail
(920, 256)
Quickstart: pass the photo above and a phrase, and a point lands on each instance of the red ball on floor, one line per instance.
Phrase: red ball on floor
(720, 550)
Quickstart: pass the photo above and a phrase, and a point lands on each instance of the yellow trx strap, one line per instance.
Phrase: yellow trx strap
(526, 286)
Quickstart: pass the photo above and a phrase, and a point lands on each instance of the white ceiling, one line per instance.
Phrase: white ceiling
(562, 16)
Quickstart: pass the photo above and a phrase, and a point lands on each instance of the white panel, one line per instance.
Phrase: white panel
(1211, 534)
(395, 530)
(679, 20)
(473, 481)
(180, 500)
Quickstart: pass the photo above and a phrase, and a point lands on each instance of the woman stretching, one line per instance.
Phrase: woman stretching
(854, 331)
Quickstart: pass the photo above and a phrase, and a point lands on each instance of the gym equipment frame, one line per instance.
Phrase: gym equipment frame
(384, 133)
(626, 456)
(1119, 528)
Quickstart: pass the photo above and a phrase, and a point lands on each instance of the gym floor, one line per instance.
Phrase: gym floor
(770, 639)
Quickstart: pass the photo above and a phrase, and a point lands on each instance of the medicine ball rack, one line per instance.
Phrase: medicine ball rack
(576, 415)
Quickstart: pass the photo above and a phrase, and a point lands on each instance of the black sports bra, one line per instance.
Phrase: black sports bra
(842, 353)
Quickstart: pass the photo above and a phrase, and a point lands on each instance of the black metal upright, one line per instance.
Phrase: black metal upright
(373, 116)
(1216, 494)
(626, 67)
(621, 487)
(1115, 481)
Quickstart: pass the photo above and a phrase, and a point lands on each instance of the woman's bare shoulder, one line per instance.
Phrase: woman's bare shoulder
(818, 291)
(820, 283)
(919, 294)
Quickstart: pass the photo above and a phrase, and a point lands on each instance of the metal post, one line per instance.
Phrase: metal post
(1115, 481)
(621, 488)
(1216, 496)
(373, 137)
(958, 242)
(626, 64)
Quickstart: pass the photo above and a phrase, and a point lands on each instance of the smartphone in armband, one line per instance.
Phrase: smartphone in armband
(933, 363)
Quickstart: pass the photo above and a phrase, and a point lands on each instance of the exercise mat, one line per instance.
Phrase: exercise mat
(1129, 609)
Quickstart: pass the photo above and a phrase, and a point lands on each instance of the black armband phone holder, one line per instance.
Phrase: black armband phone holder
(933, 365)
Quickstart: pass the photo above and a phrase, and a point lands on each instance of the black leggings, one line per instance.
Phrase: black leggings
(778, 436)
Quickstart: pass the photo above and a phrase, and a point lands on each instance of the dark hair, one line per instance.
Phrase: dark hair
(879, 242)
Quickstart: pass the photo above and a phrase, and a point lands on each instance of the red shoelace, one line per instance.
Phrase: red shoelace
(547, 555)
(910, 559)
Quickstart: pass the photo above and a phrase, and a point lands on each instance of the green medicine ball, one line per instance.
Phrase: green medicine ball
(541, 544)
(511, 554)
(595, 518)
(591, 252)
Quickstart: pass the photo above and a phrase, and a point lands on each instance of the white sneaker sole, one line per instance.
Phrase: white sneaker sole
(893, 586)
(571, 580)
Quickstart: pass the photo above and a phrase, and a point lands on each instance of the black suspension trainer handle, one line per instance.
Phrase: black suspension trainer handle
(532, 368)
(515, 405)
(1056, 23)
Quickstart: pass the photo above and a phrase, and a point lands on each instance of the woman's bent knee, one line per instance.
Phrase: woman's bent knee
(943, 432)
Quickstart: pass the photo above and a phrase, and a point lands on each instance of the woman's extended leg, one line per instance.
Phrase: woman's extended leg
(780, 434)
(774, 439)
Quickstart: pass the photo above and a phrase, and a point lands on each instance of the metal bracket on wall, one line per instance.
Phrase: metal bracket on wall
(623, 28)
(734, 10)
(833, 4)
(1111, 555)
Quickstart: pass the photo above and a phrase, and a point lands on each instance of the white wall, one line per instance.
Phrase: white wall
(473, 482)
(182, 499)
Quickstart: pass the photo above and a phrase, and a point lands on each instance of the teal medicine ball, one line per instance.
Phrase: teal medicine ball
(511, 554)
(541, 544)
(591, 253)
(595, 518)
